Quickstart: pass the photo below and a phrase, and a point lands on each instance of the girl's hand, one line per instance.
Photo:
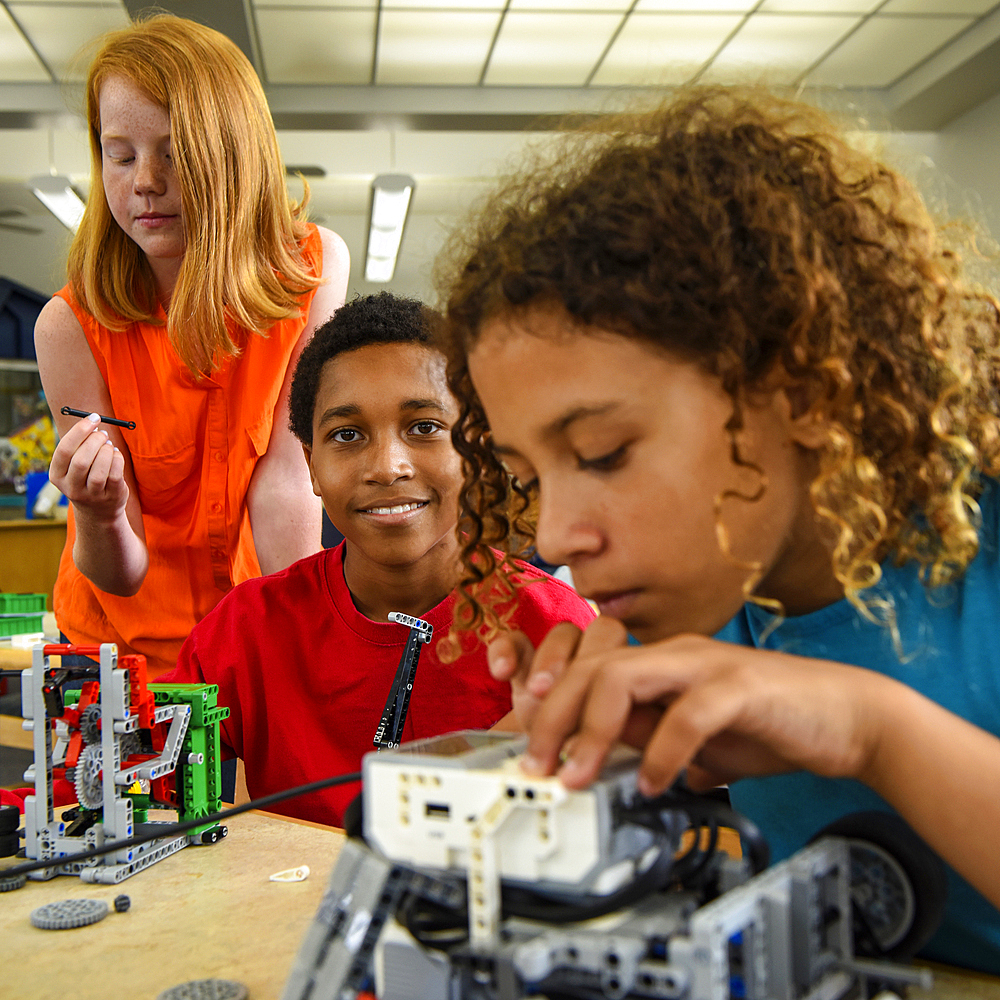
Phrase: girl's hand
(719, 710)
(530, 672)
(725, 712)
(90, 470)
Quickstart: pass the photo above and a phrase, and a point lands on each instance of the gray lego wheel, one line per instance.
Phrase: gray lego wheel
(881, 888)
(8, 883)
(90, 724)
(89, 786)
(206, 989)
(898, 885)
(69, 913)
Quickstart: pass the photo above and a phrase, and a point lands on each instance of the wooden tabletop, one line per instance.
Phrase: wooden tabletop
(205, 912)
(955, 984)
(211, 912)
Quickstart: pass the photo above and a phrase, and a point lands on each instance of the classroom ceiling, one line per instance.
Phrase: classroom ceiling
(448, 89)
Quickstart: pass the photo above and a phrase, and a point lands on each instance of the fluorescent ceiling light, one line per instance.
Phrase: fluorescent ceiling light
(57, 194)
(391, 195)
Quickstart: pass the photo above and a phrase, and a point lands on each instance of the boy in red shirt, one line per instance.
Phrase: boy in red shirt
(305, 658)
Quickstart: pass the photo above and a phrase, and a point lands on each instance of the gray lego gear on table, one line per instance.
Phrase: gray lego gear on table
(69, 913)
(206, 989)
(8, 883)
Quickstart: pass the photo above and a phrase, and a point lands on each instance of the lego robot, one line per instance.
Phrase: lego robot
(129, 747)
(469, 880)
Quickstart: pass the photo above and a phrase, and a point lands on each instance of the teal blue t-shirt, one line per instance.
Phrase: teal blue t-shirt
(951, 654)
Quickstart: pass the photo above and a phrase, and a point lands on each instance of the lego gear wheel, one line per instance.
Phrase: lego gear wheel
(69, 913)
(87, 777)
(90, 724)
(89, 787)
(8, 883)
(206, 989)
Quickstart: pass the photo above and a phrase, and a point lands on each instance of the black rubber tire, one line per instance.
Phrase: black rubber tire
(353, 820)
(10, 844)
(10, 819)
(884, 843)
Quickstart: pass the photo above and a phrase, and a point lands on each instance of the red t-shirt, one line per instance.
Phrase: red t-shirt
(305, 676)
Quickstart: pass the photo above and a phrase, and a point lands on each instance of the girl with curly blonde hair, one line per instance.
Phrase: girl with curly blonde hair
(739, 371)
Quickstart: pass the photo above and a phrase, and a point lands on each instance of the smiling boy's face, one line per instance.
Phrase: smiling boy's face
(381, 457)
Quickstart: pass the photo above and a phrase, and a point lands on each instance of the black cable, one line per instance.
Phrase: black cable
(517, 902)
(173, 829)
(434, 925)
(696, 860)
(703, 811)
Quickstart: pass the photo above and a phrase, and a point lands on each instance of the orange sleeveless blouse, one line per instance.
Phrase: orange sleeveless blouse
(194, 448)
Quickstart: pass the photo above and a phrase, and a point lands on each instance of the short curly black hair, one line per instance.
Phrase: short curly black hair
(382, 318)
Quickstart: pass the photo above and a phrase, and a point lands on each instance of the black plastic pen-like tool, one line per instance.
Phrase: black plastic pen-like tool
(70, 412)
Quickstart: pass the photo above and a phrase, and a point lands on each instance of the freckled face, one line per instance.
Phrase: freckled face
(630, 451)
(382, 458)
(138, 172)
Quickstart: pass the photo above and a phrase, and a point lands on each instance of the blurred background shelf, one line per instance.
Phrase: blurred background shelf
(29, 555)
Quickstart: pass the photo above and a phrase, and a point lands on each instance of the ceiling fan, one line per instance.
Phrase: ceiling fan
(16, 219)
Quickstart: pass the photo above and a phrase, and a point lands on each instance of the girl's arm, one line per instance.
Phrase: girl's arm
(725, 712)
(943, 776)
(91, 463)
(285, 515)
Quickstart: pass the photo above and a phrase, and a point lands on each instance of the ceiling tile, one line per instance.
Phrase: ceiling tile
(434, 47)
(885, 48)
(469, 5)
(619, 6)
(777, 48)
(59, 46)
(317, 46)
(660, 49)
(318, 4)
(541, 49)
(818, 6)
(952, 7)
(695, 8)
(18, 64)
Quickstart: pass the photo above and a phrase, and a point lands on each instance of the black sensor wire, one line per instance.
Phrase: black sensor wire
(174, 829)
